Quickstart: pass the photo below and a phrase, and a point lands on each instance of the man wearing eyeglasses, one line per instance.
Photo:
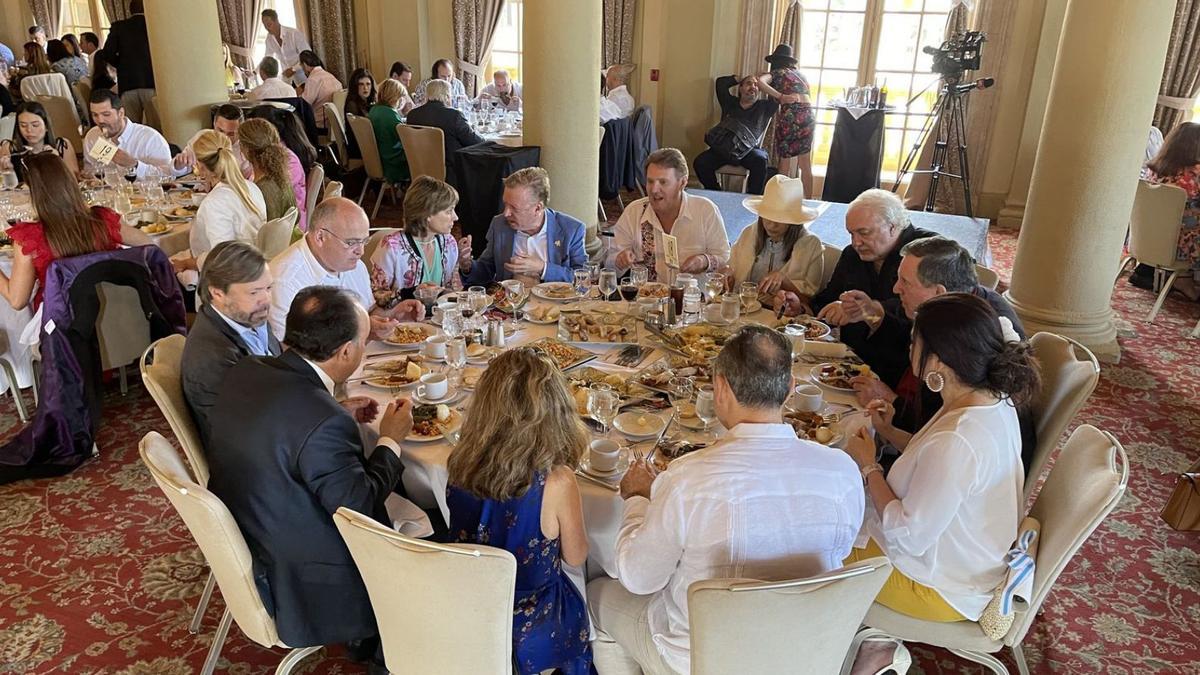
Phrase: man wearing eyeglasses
(331, 255)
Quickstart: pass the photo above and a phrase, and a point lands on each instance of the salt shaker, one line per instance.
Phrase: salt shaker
(495, 333)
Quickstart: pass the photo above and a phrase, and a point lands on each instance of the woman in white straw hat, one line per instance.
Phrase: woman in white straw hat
(778, 252)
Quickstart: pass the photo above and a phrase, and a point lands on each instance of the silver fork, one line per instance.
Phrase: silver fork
(834, 418)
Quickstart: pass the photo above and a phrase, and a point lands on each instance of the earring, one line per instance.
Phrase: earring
(935, 382)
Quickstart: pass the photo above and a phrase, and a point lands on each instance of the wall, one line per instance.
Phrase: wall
(15, 20)
(417, 32)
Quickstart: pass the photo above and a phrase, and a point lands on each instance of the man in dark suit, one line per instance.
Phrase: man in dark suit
(285, 456)
(437, 112)
(529, 241)
(128, 50)
(230, 325)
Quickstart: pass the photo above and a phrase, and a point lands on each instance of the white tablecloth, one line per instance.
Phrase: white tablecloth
(12, 322)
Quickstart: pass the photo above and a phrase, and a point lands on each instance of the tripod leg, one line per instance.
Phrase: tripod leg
(915, 151)
(938, 165)
(963, 163)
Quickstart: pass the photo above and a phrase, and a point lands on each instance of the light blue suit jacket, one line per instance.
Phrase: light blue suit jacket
(564, 250)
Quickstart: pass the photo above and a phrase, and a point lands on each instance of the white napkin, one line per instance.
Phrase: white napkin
(831, 350)
(407, 518)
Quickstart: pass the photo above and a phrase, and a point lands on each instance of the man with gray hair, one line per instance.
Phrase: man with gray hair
(758, 504)
(438, 111)
(618, 102)
(272, 86)
(502, 92)
(860, 294)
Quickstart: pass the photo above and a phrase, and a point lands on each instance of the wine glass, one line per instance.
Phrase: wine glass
(582, 281)
(602, 406)
(638, 275)
(112, 176)
(427, 295)
(679, 390)
(608, 283)
(714, 286)
(456, 359)
(706, 407)
(749, 293)
(516, 294)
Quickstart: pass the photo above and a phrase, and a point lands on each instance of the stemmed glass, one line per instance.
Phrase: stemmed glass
(706, 408)
(749, 292)
(427, 295)
(714, 286)
(477, 300)
(679, 390)
(456, 359)
(517, 294)
(602, 405)
(638, 275)
(452, 322)
(582, 281)
(608, 283)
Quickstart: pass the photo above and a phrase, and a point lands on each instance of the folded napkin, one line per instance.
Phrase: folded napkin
(407, 518)
(831, 350)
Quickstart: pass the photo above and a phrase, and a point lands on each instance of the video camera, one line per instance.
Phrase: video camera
(957, 55)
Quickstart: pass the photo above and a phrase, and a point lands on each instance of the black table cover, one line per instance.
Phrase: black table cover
(614, 156)
(481, 169)
(855, 156)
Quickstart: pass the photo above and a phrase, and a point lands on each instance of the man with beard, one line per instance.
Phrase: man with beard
(138, 146)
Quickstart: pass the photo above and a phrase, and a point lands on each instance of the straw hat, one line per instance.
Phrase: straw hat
(782, 202)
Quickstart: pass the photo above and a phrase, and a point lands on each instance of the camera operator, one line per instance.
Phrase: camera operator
(736, 139)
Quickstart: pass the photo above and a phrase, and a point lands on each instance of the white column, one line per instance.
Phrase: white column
(189, 70)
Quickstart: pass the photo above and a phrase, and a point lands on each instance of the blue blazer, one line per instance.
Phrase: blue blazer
(564, 250)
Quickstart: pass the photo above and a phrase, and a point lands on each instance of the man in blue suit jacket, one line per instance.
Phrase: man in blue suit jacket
(529, 241)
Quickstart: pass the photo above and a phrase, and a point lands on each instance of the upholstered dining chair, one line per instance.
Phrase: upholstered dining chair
(1084, 486)
(276, 235)
(160, 368)
(1070, 373)
(425, 150)
(746, 626)
(217, 534)
(338, 99)
(376, 236)
(441, 608)
(332, 189)
(122, 330)
(830, 255)
(988, 278)
(600, 202)
(364, 135)
(1154, 228)
(337, 136)
(312, 187)
(7, 124)
(64, 118)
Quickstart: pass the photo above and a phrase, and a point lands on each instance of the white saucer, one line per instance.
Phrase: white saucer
(585, 465)
(450, 397)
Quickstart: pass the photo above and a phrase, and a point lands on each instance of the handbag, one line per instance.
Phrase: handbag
(1017, 584)
(731, 138)
(1182, 511)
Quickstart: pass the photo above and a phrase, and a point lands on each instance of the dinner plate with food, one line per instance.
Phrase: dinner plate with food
(470, 377)
(668, 451)
(430, 422)
(180, 212)
(639, 426)
(598, 326)
(154, 228)
(565, 356)
(481, 354)
(410, 335)
(555, 291)
(810, 426)
(393, 374)
(814, 329)
(838, 375)
(543, 314)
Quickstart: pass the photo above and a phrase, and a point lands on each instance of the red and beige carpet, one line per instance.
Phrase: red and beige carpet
(99, 575)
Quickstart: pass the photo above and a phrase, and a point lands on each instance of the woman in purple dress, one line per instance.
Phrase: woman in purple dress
(512, 486)
(796, 120)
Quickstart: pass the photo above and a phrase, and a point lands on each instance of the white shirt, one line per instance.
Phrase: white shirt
(619, 103)
(189, 157)
(286, 51)
(760, 504)
(297, 268)
(272, 87)
(223, 216)
(699, 228)
(494, 95)
(144, 143)
(532, 246)
(960, 487)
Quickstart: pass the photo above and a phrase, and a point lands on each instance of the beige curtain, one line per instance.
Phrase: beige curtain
(239, 21)
(46, 13)
(618, 31)
(116, 9)
(1181, 73)
(331, 34)
(758, 23)
(475, 24)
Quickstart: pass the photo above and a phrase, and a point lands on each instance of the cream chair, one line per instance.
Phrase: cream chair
(276, 235)
(728, 173)
(7, 124)
(441, 608)
(1070, 373)
(64, 119)
(425, 150)
(600, 202)
(51, 84)
(364, 134)
(338, 99)
(988, 278)
(217, 534)
(1084, 486)
(745, 626)
(316, 178)
(377, 235)
(1154, 234)
(830, 255)
(122, 329)
(337, 135)
(14, 388)
(83, 93)
(332, 189)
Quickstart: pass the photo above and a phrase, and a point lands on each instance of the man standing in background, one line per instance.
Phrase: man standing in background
(285, 44)
(128, 49)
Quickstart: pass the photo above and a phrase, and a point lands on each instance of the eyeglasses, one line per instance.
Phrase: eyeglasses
(348, 243)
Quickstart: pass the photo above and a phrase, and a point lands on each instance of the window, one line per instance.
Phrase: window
(506, 44)
(287, 17)
(847, 43)
(83, 16)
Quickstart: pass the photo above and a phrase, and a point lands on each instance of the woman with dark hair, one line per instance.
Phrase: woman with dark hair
(796, 119)
(300, 153)
(779, 252)
(360, 92)
(424, 253)
(33, 136)
(1178, 163)
(72, 44)
(442, 70)
(65, 227)
(104, 74)
(61, 61)
(512, 485)
(35, 56)
(947, 512)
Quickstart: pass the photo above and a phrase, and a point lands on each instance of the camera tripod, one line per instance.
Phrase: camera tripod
(949, 118)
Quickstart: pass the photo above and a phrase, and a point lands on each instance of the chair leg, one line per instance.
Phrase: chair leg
(859, 638)
(124, 381)
(37, 375)
(11, 376)
(992, 663)
(294, 658)
(1162, 296)
(600, 210)
(1019, 657)
(363, 194)
(214, 652)
(1124, 266)
(1195, 331)
(378, 201)
(201, 606)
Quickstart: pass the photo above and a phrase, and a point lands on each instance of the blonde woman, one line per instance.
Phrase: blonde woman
(261, 147)
(512, 485)
(384, 116)
(424, 253)
(233, 209)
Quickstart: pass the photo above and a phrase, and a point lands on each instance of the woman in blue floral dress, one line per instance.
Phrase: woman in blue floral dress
(796, 120)
(512, 486)
(1178, 163)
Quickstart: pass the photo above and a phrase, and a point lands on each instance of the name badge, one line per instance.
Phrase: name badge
(670, 250)
(102, 151)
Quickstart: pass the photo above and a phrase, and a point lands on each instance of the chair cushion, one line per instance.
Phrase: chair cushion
(964, 635)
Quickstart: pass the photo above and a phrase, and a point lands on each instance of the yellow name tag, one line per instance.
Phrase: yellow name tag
(670, 250)
(102, 151)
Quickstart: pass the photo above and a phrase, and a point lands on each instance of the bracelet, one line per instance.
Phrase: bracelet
(866, 471)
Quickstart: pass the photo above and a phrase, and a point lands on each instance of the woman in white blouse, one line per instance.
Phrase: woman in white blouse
(947, 512)
(233, 209)
(778, 252)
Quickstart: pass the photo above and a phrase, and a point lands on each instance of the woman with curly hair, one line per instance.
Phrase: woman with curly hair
(260, 145)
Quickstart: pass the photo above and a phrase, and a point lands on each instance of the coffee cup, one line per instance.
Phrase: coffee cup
(809, 398)
(433, 387)
(435, 347)
(603, 454)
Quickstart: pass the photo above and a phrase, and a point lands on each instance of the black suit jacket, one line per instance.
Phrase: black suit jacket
(128, 49)
(852, 273)
(284, 455)
(211, 349)
(456, 133)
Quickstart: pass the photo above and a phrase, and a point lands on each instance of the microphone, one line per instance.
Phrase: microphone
(981, 83)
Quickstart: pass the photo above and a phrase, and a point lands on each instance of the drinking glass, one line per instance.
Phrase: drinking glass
(679, 390)
(602, 405)
(608, 283)
(516, 293)
(706, 407)
(456, 359)
(582, 281)
(477, 300)
(594, 272)
(731, 307)
(452, 322)
(9, 180)
(638, 275)
(749, 292)
(427, 295)
(714, 286)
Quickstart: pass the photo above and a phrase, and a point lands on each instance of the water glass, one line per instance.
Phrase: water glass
(638, 274)
(714, 286)
(731, 307)
(582, 281)
(749, 292)
(608, 283)
(452, 322)
(602, 405)
(706, 406)
(456, 359)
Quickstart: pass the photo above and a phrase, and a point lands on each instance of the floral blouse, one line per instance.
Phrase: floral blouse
(397, 267)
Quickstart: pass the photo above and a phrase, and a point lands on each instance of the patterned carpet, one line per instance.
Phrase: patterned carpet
(98, 574)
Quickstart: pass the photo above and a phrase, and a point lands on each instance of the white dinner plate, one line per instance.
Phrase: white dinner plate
(627, 423)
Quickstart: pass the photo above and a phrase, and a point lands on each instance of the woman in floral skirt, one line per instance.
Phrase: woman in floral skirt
(796, 120)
